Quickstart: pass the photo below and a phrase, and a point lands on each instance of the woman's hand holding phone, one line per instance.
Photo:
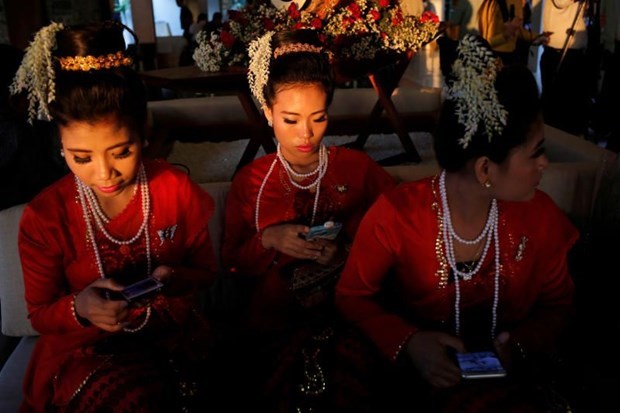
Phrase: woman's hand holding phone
(91, 304)
(430, 353)
(285, 238)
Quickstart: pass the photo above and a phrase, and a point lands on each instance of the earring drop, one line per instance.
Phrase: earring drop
(145, 144)
(487, 184)
(270, 123)
(62, 153)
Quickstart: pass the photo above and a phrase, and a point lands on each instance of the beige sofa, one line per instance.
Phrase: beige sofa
(572, 180)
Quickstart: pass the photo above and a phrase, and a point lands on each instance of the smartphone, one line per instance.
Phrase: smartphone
(328, 230)
(480, 365)
(141, 290)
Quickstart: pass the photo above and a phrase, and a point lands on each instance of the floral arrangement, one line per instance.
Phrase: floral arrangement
(353, 29)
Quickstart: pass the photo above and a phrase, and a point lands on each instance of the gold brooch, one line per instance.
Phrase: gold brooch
(342, 188)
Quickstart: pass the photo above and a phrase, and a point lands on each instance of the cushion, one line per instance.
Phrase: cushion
(12, 375)
(12, 303)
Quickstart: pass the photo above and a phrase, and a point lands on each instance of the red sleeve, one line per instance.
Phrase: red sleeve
(554, 302)
(371, 257)
(242, 249)
(41, 243)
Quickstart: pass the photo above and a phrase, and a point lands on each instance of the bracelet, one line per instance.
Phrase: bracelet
(401, 346)
(76, 317)
(143, 324)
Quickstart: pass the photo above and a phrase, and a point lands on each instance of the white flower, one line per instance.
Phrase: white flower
(258, 70)
(36, 73)
(474, 91)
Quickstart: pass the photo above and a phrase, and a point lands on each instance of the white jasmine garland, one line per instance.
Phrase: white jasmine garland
(209, 49)
(36, 73)
(258, 69)
(475, 71)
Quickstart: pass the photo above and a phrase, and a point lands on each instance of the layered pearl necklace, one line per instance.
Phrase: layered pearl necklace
(490, 231)
(319, 171)
(91, 207)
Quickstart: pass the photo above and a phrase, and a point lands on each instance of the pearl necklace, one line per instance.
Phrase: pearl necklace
(90, 207)
(491, 233)
(320, 171)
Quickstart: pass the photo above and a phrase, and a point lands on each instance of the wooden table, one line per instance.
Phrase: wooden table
(384, 80)
(231, 81)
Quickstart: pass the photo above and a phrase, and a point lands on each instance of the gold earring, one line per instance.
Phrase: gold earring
(487, 184)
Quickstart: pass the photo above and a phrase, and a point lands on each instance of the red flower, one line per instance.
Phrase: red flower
(376, 16)
(354, 8)
(429, 16)
(397, 19)
(298, 26)
(268, 24)
(293, 11)
(384, 3)
(316, 23)
(227, 39)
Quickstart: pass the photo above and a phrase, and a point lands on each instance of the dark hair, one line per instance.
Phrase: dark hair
(298, 67)
(92, 95)
(518, 93)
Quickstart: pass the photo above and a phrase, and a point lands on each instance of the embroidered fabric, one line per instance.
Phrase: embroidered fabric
(312, 283)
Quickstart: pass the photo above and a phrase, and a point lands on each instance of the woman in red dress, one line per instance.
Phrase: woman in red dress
(271, 206)
(114, 220)
(472, 259)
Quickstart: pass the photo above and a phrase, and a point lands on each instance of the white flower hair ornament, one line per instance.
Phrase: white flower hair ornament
(473, 90)
(258, 69)
(36, 73)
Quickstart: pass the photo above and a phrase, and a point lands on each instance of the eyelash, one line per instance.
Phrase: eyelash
(319, 120)
(126, 153)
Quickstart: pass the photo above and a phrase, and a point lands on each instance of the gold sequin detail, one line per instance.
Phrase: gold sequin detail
(521, 248)
(443, 273)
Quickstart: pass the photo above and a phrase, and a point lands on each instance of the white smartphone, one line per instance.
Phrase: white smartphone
(480, 365)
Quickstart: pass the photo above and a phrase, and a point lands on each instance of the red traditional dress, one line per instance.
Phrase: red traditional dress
(77, 368)
(353, 181)
(397, 279)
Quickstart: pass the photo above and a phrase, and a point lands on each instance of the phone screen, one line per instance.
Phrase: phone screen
(329, 231)
(141, 289)
(481, 364)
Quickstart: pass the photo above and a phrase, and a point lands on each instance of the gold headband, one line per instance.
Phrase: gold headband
(294, 48)
(86, 63)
